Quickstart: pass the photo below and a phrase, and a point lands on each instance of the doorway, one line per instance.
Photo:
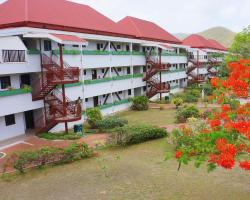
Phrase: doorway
(29, 119)
(25, 79)
(96, 103)
(94, 74)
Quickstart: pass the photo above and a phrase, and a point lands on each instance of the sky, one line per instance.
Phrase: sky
(178, 16)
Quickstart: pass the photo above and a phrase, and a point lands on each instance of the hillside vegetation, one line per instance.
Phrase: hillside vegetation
(221, 34)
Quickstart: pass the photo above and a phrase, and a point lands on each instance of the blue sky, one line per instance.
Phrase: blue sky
(176, 16)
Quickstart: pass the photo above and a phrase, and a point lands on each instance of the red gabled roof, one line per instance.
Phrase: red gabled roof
(143, 29)
(197, 41)
(56, 14)
(217, 45)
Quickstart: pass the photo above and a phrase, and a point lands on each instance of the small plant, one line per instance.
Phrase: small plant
(140, 103)
(93, 115)
(177, 102)
(110, 123)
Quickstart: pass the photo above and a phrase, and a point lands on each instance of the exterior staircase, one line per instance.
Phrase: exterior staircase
(58, 108)
(212, 62)
(194, 77)
(154, 84)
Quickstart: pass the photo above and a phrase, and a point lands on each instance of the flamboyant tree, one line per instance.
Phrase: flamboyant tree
(225, 142)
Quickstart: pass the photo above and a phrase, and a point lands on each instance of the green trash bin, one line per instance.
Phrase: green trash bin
(78, 129)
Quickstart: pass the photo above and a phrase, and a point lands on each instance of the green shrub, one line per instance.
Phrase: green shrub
(60, 136)
(93, 115)
(128, 135)
(186, 112)
(110, 123)
(177, 101)
(140, 103)
(49, 155)
(191, 95)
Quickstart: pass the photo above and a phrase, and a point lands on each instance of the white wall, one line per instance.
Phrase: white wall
(17, 129)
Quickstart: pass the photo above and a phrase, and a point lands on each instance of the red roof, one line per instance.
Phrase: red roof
(56, 14)
(143, 29)
(197, 41)
(69, 38)
(217, 45)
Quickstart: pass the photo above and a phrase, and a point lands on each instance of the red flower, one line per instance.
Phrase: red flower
(245, 165)
(215, 123)
(178, 154)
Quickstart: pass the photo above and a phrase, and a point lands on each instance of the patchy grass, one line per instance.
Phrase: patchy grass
(136, 172)
(155, 117)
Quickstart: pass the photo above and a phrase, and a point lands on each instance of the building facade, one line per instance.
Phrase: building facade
(53, 69)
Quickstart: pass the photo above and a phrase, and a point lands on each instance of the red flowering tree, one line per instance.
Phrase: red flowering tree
(225, 141)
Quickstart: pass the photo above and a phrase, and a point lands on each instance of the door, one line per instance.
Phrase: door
(94, 74)
(96, 103)
(25, 79)
(29, 119)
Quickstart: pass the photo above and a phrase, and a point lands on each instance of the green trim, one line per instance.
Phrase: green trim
(123, 53)
(138, 75)
(95, 52)
(88, 82)
(14, 92)
(137, 53)
(174, 87)
(33, 51)
(128, 76)
(116, 103)
(116, 78)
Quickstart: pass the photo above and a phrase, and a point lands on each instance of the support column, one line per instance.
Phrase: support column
(63, 88)
(160, 52)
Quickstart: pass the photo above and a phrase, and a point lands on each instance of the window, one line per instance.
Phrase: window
(84, 72)
(75, 45)
(144, 88)
(120, 92)
(119, 69)
(5, 82)
(127, 48)
(86, 100)
(128, 70)
(47, 45)
(10, 120)
(13, 56)
(144, 69)
(205, 57)
(129, 92)
(103, 71)
(118, 46)
(99, 46)
(104, 96)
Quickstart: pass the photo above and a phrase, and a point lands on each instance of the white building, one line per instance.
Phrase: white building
(52, 48)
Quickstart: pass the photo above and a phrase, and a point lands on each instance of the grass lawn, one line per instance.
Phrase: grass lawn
(137, 172)
(152, 116)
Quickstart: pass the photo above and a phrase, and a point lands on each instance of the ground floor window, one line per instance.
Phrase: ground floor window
(5, 82)
(10, 120)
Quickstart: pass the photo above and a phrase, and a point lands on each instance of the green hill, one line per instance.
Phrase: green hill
(221, 34)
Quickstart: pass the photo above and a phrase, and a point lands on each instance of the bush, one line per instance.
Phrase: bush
(110, 123)
(191, 95)
(128, 135)
(140, 103)
(186, 112)
(93, 115)
(48, 155)
(60, 136)
(177, 101)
